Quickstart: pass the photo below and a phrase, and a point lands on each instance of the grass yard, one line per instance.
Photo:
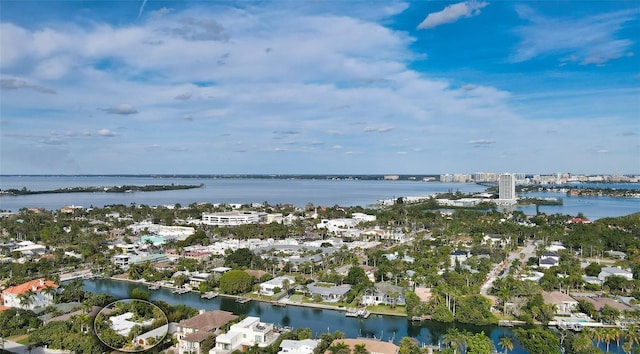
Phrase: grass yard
(386, 310)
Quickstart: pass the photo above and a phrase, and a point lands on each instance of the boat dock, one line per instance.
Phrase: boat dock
(242, 300)
(361, 313)
(209, 295)
(180, 291)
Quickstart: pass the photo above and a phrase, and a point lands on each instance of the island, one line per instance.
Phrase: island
(111, 189)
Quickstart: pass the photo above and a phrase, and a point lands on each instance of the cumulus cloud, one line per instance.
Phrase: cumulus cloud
(452, 13)
(17, 84)
(590, 40)
(106, 133)
(123, 109)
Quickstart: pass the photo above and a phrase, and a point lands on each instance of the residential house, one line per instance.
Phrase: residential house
(606, 272)
(151, 337)
(548, 260)
(305, 346)
(30, 295)
(373, 346)
(458, 256)
(495, 240)
(600, 302)
(383, 293)
(563, 302)
(328, 292)
(245, 334)
(268, 287)
(193, 331)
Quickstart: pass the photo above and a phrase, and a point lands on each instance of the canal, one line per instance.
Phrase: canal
(387, 328)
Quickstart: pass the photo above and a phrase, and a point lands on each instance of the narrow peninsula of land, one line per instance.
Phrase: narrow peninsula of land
(112, 189)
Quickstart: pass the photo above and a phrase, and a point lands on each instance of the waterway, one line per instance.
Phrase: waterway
(278, 191)
(387, 328)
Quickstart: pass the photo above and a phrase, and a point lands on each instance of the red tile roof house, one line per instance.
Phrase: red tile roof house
(30, 295)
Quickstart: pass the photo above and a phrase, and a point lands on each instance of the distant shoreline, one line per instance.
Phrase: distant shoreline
(111, 189)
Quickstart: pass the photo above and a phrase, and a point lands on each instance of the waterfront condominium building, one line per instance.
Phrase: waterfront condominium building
(507, 187)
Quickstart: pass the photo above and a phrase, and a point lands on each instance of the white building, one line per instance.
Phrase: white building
(606, 272)
(245, 334)
(267, 288)
(306, 346)
(30, 295)
(506, 189)
(234, 218)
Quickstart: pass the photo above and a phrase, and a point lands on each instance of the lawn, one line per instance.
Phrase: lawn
(22, 339)
(386, 310)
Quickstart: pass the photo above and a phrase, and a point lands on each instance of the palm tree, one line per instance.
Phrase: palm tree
(455, 339)
(607, 336)
(50, 291)
(632, 335)
(360, 349)
(339, 348)
(506, 344)
(27, 298)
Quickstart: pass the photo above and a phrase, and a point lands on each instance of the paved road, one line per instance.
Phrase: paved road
(500, 270)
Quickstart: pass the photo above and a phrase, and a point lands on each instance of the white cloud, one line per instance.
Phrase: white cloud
(123, 109)
(106, 133)
(480, 142)
(452, 13)
(16, 84)
(590, 40)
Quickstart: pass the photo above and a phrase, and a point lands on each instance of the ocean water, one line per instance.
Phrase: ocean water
(279, 191)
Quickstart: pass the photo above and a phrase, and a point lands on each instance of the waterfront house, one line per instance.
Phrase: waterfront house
(600, 302)
(328, 292)
(193, 331)
(245, 334)
(563, 302)
(383, 293)
(373, 346)
(305, 346)
(268, 287)
(30, 295)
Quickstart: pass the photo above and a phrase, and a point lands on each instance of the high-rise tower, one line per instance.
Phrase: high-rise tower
(507, 187)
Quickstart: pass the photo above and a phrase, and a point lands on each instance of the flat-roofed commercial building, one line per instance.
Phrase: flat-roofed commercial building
(234, 218)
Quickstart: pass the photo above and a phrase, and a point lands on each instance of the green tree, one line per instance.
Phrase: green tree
(506, 344)
(362, 349)
(339, 348)
(408, 346)
(235, 282)
(538, 340)
(479, 343)
(593, 269)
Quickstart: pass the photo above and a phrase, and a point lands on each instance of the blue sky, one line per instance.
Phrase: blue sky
(91, 87)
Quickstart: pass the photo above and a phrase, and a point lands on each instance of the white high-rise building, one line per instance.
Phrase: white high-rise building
(507, 187)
